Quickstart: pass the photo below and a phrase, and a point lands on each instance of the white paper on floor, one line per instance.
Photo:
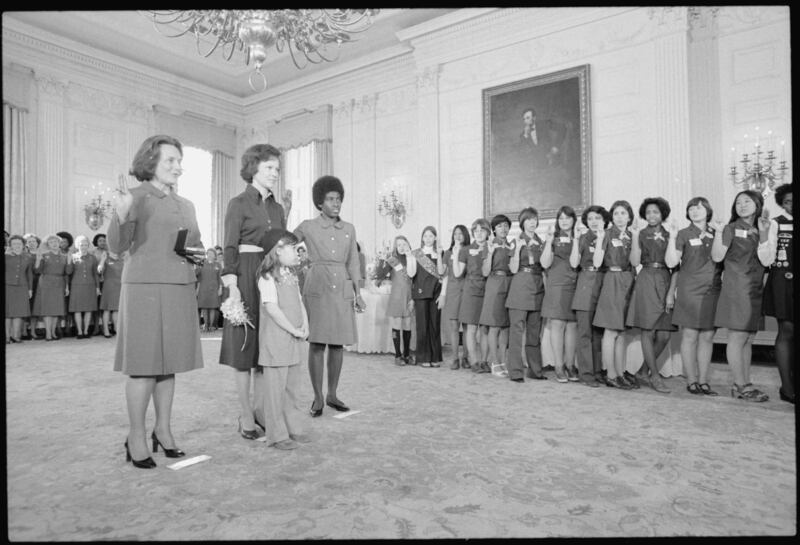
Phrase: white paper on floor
(344, 415)
(189, 461)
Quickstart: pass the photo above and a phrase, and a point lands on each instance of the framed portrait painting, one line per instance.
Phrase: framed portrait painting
(537, 144)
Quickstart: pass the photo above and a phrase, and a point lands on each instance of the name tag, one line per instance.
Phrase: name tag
(563, 240)
(741, 233)
(695, 242)
(474, 251)
(616, 243)
(398, 267)
(785, 227)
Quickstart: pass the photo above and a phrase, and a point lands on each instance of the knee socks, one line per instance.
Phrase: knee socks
(396, 341)
(406, 341)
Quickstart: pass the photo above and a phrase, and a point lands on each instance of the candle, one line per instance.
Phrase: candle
(733, 156)
(783, 150)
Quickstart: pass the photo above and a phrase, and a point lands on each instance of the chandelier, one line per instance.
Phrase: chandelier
(98, 207)
(761, 170)
(310, 35)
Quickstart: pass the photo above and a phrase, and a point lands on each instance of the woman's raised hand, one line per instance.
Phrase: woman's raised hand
(763, 221)
(122, 198)
(718, 225)
(579, 229)
(672, 228)
(551, 234)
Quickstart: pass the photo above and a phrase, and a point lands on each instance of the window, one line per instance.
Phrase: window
(301, 167)
(195, 185)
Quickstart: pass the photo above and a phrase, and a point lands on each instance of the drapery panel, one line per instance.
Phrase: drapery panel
(222, 186)
(15, 145)
(301, 167)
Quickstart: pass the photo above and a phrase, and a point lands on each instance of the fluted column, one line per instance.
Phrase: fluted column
(428, 204)
(50, 162)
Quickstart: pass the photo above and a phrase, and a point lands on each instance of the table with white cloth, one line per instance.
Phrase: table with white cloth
(374, 329)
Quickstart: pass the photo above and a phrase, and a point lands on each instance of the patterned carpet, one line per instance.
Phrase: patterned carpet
(433, 453)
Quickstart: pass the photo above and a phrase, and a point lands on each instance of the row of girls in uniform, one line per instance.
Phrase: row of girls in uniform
(43, 281)
(582, 277)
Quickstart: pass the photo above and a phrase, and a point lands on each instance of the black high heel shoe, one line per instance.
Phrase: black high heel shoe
(147, 463)
(315, 412)
(169, 452)
(338, 405)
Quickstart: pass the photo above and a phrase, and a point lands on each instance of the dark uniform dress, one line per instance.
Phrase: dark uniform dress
(53, 270)
(493, 311)
(469, 311)
(561, 280)
(83, 284)
(699, 279)
(426, 286)
(157, 330)
(612, 303)
(648, 308)
(524, 304)
(779, 293)
(400, 296)
(208, 278)
(112, 282)
(247, 219)
(328, 291)
(19, 280)
(739, 305)
(452, 296)
(584, 303)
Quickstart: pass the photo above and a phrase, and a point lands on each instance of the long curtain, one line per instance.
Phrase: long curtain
(302, 165)
(15, 137)
(222, 190)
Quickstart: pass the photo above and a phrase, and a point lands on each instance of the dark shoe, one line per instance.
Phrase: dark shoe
(630, 380)
(410, 360)
(338, 405)
(706, 389)
(315, 412)
(520, 379)
(252, 435)
(465, 364)
(286, 444)
(591, 383)
(482, 367)
(455, 365)
(169, 452)
(618, 382)
(147, 463)
(694, 388)
(784, 397)
(534, 376)
(15, 340)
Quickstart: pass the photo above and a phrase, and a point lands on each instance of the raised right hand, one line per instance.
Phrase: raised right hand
(122, 199)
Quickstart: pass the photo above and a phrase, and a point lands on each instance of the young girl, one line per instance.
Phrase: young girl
(613, 250)
(426, 291)
(587, 289)
(19, 288)
(778, 293)
(696, 292)
(400, 308)
(53, 267)
(209, 290)
(743, 246)
(282, 330)
(653, 291)
(470, 265)
(493, 313)
(524, 301)
(84, 286)
(452, 291)
(110, 268)
(559, 292)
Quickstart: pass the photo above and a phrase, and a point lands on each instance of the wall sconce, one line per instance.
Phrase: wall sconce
(393, 202)
(759, 173)
(98, 207)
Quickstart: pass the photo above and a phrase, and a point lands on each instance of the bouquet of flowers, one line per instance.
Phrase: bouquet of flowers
(235, 312)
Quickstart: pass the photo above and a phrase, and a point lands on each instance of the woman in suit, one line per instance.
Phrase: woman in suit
(53, 268)
(19, 286)
(158, 333)
(110, 268)
(330, 291)
(84, 286)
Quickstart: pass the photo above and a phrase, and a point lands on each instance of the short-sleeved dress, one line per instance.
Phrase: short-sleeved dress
(83, 285)
(590, 279)
(739, 304)
(493, 311)
(52, 270)
(648, 308)
(208, 277)
(561, 281)
(452, 297)
(526, 290)
(18, 281)
(112, 282)
(699, 279)
(328, 291)
(469, 311)
(612, 303)
(279, 348)
(400, 296)
(779, 291)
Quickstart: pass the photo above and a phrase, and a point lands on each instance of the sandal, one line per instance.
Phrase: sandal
(499, 370)
(560, 377)
(435, 364)
(748, 393)
(706, 389)
(425, 364)
(694, 388)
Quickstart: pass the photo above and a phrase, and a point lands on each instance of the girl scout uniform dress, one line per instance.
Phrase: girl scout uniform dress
(561, 279)
(648, 301)
(699, 279)
(612, 303)
(469, 311)
(493, 311)
(452, 297)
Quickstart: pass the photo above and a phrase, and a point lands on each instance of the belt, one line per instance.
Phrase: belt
(618, 269)
(590, 268)
(654, 265)
(249, 248)
(499, 273)
(534, 270)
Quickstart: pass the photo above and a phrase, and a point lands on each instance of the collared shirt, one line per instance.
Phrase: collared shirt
(653, 243)
(248, 217)
(617, 247)
(331, 245)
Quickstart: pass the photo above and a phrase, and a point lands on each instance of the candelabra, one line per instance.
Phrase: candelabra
(761, 170)
(98, 208)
